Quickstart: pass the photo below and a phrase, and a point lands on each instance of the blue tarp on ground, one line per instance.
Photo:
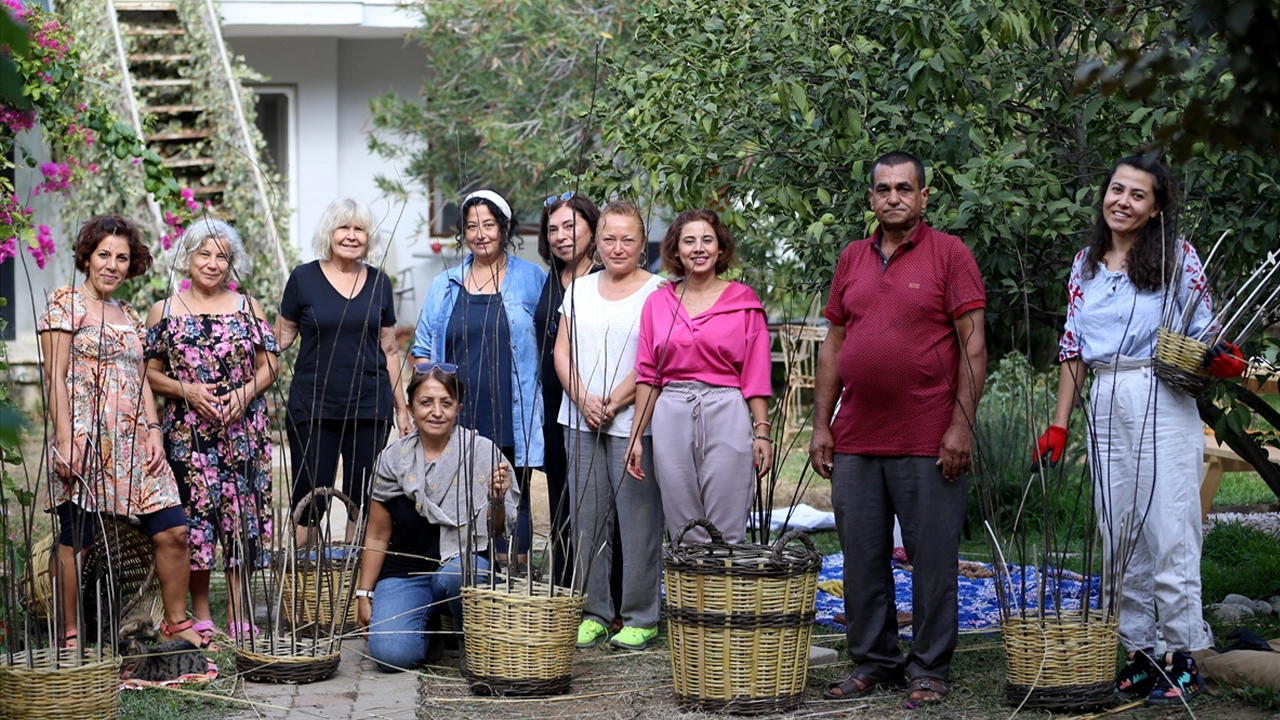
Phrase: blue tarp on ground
(979, 608)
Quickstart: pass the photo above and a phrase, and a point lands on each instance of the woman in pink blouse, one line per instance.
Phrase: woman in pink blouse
(702, 376)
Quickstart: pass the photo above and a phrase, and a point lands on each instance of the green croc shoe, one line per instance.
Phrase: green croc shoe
(634, 638)
(590, 633)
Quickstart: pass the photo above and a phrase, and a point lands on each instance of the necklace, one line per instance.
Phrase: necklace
(113, 302)
(495, 276)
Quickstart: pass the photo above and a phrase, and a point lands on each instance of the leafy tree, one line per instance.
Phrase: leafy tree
(1224, 54)
(774, 111)
(506, 101)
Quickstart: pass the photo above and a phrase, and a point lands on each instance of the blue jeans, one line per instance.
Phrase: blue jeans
(398, 638)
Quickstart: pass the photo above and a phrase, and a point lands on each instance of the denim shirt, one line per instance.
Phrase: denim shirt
(520, 291)
(1108, 318)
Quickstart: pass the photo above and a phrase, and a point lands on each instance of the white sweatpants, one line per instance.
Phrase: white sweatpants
(1146, 450)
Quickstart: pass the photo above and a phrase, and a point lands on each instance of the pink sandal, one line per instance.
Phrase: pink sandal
(207, 631)
(242, 631)
(170, 632)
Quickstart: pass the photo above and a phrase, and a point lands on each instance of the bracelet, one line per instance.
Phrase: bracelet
(155, 426)
(362, 593)
(762, 422)
(766, 438)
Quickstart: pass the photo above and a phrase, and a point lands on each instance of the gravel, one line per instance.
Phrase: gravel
(1267, 522)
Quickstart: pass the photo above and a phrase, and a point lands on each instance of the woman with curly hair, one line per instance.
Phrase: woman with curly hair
(107, 453)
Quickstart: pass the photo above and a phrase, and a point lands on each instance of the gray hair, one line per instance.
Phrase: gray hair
(200, 230)
(339, 213)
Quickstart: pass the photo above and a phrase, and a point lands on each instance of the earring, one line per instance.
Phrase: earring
(596, 260)
(644, 260)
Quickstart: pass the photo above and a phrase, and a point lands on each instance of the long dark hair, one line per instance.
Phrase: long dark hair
(1153, 255)
(584, 209)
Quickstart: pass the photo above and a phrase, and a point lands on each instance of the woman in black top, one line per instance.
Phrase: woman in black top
(345, 393)
(566, 241)
(438, 495)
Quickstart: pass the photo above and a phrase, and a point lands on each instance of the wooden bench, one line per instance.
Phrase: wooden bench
(1219, 459)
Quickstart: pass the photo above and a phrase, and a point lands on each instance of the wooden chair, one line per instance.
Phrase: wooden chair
(800, 343)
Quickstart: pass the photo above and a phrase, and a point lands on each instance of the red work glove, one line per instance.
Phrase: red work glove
(1049, 447)
(1225, 361)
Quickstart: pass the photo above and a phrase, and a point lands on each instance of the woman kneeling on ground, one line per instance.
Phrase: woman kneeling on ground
(436, 492)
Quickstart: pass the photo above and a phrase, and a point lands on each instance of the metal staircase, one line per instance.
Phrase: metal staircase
(167, 66)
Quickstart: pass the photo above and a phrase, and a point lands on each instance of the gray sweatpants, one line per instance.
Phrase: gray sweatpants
(600, 493)
(866, 493)
(703, 438)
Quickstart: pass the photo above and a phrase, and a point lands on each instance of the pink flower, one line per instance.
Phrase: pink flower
(186, 194)
(232, 286)
(183, 287)
(8, 249)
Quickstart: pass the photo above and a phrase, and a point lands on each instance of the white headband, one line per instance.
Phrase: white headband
(492, 197)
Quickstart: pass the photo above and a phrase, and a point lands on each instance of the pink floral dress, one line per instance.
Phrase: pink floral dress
(108, 415)
(223, 471)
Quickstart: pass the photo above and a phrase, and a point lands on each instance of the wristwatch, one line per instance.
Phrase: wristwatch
(364, 593)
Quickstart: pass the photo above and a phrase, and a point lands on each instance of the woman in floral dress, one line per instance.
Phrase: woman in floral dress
(211, 352)
(107, 453)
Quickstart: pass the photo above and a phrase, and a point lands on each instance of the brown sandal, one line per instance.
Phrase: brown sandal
(856, 685)
(922, 685)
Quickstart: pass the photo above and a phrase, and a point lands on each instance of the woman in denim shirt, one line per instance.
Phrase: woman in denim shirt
(479, 316)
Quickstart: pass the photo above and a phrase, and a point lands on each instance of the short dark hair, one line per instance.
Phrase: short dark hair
(506, 225)
(102, 226)
(896, 158)
(450, 381)
(583, 208)
(671, 241)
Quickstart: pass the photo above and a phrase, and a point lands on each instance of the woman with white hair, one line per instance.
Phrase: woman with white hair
(211, 353)
(346, 391)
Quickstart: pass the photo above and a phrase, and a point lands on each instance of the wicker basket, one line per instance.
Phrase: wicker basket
(520, 642)
(740, 618)
(282, 660)
(1060, 661)
(1179, 362)
(59, 687)
(320, 587)
(123, 565)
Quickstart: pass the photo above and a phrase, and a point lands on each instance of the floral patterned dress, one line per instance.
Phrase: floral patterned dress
(108, 415)
(224, 472)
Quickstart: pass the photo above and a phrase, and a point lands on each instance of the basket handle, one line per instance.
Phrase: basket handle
(786, 539)
(323, 492)
(704, 523)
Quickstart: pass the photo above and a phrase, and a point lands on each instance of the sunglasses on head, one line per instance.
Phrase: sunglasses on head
(566, 195)
(426, 367)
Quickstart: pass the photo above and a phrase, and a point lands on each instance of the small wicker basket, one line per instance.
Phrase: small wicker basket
(740, 618)
(520, 642)
(1179, 362)
(59, 686)
(1060, 661)
(318, 590)
(120, 563)
(282, 660)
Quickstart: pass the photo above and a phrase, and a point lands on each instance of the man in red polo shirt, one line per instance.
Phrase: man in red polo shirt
(907, 358)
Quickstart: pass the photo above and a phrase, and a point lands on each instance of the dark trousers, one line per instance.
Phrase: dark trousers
(866, 493)
(556, 466)
(314, 449)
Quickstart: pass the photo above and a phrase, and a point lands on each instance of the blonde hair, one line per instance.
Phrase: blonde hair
(339, 213)
(625, 208)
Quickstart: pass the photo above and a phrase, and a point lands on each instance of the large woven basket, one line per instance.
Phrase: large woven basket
(282, 660)
(740, 618)
(1179, 362)
(1060, 661)
(520, 642)
(318, 587)
(119, 569)
(57, 687)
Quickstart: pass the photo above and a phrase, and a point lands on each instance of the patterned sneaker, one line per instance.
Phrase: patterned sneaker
(1177, 681)
(634, 638)
(590, 633)
(1136, 678)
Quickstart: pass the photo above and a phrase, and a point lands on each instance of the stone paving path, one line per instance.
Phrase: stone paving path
(357, 691)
